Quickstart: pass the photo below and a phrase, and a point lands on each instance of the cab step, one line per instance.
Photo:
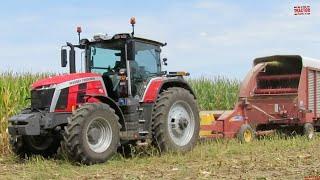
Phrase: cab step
(143, 133)
(142, 121)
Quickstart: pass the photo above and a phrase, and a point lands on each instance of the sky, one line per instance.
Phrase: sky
(204, 37)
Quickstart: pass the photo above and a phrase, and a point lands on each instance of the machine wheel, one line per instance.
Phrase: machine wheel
(176, 121)
(246, 134)
(92, 134)
(25, 146)
(308, 130)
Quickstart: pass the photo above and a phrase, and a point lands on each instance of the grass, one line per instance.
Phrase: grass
(269, 158)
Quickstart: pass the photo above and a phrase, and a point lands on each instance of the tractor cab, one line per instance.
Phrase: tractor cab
(125, 63)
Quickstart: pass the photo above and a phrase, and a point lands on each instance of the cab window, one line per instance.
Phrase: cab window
(147, 58)
(145, 66)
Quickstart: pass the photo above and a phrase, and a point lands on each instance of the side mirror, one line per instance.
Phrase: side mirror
(164, 60)
(131, 51)
(64, 60)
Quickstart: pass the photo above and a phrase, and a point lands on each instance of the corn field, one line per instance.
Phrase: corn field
(212, 94)
(14, 94)
(218, 93)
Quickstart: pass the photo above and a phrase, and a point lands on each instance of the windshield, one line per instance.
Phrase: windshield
(148, 58)
(106, 57)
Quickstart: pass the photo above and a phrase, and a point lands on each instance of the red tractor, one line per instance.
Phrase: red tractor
(123, 98)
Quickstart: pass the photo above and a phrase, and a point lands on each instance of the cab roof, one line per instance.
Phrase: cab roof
(125, 36)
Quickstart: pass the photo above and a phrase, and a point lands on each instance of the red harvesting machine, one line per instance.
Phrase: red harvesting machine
(279, 92)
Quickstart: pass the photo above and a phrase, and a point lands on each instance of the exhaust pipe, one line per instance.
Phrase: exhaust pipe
(72, 58)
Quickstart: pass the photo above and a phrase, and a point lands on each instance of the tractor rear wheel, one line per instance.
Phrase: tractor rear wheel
(308, 130)
(92, 134)
(25, 146)
(176, 121)
(246, 134)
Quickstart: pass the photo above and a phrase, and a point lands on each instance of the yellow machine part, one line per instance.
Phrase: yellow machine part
(206, 118)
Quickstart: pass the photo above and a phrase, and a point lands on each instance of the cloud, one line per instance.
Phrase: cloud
(230, 48)
(220, 6)
(203, 34)
(210, 37)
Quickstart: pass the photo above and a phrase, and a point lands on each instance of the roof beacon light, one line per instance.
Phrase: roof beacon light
(79, 30)
(132, 22)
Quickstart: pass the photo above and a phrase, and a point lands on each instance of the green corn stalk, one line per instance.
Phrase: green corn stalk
(218, 93)
(14, 91)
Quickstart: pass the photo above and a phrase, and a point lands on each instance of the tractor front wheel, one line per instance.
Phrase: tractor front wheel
(92, 134)
(176, 121)
(25, 146)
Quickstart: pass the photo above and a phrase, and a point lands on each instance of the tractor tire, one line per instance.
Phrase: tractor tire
(26, 146)
(175, 121)
(92, 134)
(63, 153)
(308, 131)
(246, 134)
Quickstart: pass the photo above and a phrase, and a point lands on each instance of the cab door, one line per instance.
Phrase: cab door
(144, 67)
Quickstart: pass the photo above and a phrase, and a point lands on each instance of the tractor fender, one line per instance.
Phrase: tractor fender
(112, 104)
(157, 85)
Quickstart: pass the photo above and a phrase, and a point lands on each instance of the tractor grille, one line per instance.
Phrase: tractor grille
(41, 99)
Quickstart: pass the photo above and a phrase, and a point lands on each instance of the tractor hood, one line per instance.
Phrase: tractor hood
(62, 78)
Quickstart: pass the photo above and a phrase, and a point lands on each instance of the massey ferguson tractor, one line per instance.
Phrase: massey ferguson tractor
(123, 98)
